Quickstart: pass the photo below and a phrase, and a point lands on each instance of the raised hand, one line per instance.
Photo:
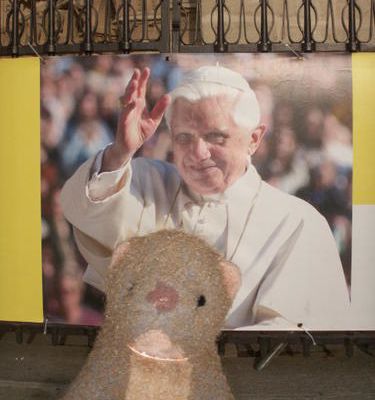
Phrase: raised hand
(136, 124)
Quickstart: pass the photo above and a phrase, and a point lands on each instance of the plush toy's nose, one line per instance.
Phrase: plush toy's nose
(164, 297)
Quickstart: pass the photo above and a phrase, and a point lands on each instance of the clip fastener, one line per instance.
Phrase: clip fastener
(298, 55)
(36, 53)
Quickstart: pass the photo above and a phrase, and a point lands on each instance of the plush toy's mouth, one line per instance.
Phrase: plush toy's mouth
(153, 357)
(156, 345)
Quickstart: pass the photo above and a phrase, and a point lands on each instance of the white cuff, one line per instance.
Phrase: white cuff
(104, 184)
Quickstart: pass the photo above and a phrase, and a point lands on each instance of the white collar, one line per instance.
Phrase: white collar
(246, 185)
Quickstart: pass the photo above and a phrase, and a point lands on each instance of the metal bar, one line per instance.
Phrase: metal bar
(102, 48)
(176, 25)
(353, 42)
(51, 45)
(307, 35)
(107, 22)
(330, 47)
(32, 34)
(220, 45)
(15, 30)
(88, 45)
(264, 43)
(144, 20)
(365, 339)
(165, 27)
(198, 36)
(69, 29)
(125, 40)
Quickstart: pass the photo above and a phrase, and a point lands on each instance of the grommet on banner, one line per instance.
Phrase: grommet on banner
(36, 53)
(298, 55)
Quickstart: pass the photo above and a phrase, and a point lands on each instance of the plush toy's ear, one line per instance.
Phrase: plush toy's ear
(114, 268)
(231, 278)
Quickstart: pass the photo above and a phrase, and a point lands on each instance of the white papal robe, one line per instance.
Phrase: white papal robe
(292, 276)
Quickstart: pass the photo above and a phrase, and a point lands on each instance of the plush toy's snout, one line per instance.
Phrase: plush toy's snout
(164, 297)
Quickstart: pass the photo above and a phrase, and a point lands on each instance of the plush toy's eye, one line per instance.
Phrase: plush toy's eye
(129, 286)
(126, 290)
(201, 301)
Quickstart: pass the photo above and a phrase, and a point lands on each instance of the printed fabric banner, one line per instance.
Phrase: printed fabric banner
(265, 157)
(254, 155)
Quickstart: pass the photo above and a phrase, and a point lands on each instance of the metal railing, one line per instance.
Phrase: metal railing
(261, 346)
(278, 25)
(122, 26)
(84, 26)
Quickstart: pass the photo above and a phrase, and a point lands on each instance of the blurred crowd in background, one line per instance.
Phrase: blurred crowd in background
(307, 150)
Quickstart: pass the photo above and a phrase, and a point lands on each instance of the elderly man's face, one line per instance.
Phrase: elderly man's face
(210, 150)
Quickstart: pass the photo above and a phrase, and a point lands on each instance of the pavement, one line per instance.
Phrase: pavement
(41, 371)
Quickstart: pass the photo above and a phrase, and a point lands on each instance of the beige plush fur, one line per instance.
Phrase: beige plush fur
(167, 296)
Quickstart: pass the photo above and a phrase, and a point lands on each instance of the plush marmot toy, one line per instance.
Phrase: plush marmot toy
(167, 297)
